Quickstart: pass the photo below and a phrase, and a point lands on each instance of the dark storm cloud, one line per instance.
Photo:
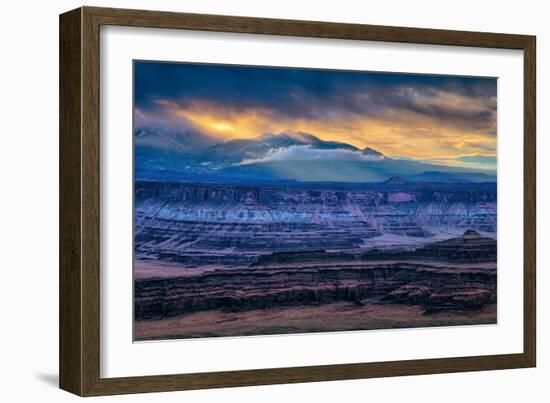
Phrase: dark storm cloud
(319, 94)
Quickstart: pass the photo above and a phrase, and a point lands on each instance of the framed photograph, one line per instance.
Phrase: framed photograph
(249, 201)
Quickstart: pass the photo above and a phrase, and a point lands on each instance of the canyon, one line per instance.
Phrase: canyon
(249, 250)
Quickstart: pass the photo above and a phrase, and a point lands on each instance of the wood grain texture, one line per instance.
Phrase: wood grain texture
(316, 29)
(90, 202)
(80, 201)
(70, 275)
(530, 202)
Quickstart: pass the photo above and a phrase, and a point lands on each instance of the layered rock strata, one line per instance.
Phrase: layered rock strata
(436, 288)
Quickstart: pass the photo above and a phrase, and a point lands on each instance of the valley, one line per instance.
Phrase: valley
(262, 250)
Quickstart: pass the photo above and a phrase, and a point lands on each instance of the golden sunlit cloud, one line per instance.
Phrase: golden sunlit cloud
(396, 132)
(222, 127)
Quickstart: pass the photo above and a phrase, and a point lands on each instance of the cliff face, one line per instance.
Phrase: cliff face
(318, 277)
(244, 248)
(217, 224)
(273, 197)
(434, 288)
(471, 247)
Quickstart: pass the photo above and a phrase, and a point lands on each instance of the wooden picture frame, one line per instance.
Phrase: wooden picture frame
(79, 348)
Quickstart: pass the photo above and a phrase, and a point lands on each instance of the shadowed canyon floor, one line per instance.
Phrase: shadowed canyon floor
(330, 317)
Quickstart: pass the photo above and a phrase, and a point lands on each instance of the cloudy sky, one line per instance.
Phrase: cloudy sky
(444, 119)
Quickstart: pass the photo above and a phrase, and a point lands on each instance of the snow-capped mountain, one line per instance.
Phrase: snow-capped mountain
(373, 153)
(172, 140)
(237, 151)
(288, 156)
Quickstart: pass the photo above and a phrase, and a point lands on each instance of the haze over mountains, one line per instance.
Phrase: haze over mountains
(162, 153)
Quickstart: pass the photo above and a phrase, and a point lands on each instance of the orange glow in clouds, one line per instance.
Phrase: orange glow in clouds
(396, 132)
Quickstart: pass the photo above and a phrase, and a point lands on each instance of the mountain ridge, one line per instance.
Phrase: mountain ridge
(287, 155)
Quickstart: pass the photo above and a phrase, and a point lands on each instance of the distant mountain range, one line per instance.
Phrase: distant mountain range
(167, 154)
